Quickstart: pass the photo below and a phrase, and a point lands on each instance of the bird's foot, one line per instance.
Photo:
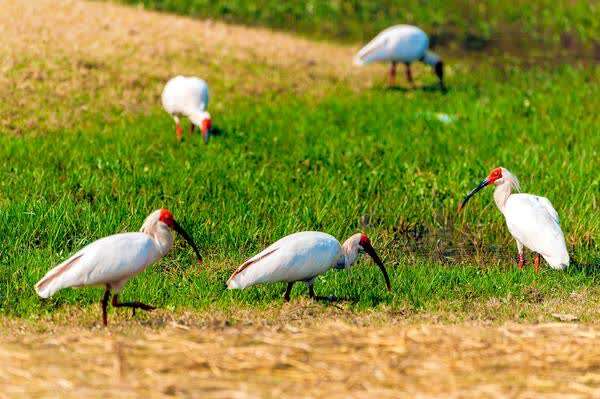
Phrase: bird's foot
(536, 263)
(143, 306)
(327, 298)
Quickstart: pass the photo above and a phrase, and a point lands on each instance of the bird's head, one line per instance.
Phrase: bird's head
(205, 126)
(359, 243)
(434, 60)
(163, 218)
(498, 176)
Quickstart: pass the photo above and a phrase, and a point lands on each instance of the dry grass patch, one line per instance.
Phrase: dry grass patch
(66, 60)
(331, 357)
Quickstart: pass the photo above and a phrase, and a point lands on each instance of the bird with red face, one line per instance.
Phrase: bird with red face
(302, 257)
(111, 261)
(532, 220)
(188, 97)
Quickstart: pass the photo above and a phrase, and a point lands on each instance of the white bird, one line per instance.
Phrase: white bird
(112, 260)
(531, 220)
(401, 43)
(188, 97)
(301, 257)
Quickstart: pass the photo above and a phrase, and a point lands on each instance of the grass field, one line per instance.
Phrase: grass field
(458, 22)
(305, 142)
(323, 156)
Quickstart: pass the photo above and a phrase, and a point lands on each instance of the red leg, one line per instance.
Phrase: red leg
(393, 73)
(521, 261)
(536, 263)
(178, 132)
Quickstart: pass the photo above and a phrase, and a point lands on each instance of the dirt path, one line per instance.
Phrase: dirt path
(334, 359)
(66, 59)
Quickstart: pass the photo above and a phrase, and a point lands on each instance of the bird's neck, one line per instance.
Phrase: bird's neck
(501, 194)
(349, 252)
(163, 238)
(431, 58)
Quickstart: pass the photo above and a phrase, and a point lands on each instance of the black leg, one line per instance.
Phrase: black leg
(191, 128)
(105, 305)
(288, 291)
(311, 294)
(132, 305)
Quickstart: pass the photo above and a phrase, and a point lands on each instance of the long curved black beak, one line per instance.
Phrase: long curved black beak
(371, 251)
(439, 71)
(205, 135)
(481, 185)
(188, 238)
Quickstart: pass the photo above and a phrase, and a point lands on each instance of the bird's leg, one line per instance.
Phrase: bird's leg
(536, 263)
(104, 302)
(393, 73)
(178, 129)
(311, 293)
(521, 260)
(409, 75)
(191, 129)
(132, 305)
(288, 291)
(520, 257)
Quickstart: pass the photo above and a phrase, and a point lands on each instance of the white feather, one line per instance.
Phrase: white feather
(296, 257)
(400, 43)
(109, 260)
(186, 96)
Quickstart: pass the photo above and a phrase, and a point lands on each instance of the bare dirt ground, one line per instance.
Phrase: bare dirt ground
(306, 353)
(61, 60)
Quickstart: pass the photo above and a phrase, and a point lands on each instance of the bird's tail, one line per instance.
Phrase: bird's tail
(233, 284)
(370, 52)
(558, 262)
(52, 282)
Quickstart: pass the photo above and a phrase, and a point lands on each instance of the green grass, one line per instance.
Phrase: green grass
(377, 160)
(463, 21)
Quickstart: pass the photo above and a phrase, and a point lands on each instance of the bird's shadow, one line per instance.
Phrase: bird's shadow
(590, 269)
(352, 300)
(216, 131)
(432, 88)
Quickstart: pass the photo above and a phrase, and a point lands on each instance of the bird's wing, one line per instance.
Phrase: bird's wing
(104, 261)
(534, 225)
(545, 202)
(296, 257)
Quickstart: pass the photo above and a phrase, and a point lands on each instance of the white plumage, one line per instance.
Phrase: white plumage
(301, 257)
(400, 44)
(113, 260)
(110, 260)
(534, 223)
(188, 97)
(532, 220)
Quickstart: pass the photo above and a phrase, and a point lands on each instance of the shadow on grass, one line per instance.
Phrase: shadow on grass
(431, 88)
(589, 269)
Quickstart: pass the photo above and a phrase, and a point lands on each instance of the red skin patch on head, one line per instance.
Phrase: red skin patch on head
(166, 217)
(364, 240)
(206, 124)
(495, 174)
